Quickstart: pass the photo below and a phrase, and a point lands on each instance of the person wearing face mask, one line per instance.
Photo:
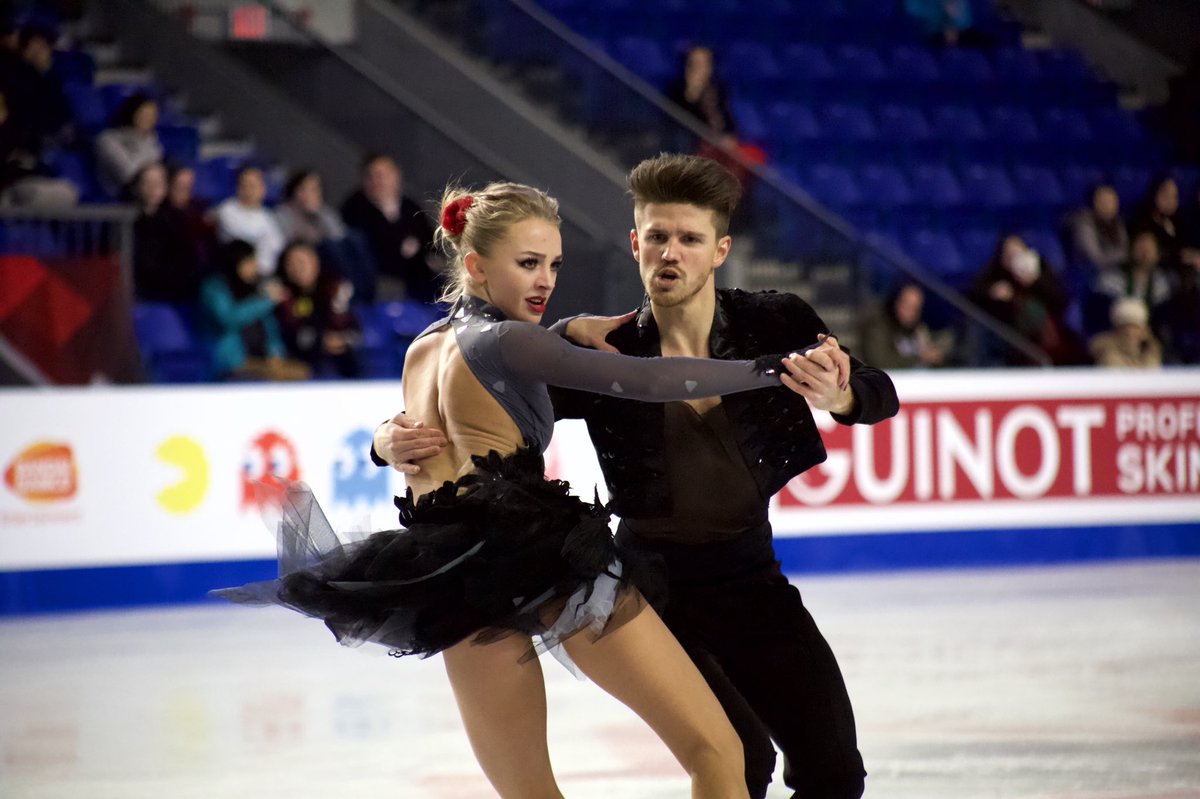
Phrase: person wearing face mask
(494, 555)
(1019, 290)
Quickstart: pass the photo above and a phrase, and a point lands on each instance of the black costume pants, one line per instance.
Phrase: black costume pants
(748, 632)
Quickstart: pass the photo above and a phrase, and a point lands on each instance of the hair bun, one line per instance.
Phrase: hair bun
(454, 215)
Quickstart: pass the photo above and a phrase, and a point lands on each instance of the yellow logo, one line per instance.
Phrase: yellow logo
(185, 454)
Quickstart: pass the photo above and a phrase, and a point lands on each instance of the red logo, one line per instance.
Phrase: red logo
(44, 472)
(269, 463)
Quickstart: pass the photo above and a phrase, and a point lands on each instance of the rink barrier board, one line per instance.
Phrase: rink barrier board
(65, 590)
(138, 495)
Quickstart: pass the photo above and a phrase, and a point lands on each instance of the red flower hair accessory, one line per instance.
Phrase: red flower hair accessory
(454, 215)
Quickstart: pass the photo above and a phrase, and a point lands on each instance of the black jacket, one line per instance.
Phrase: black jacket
(774, 427)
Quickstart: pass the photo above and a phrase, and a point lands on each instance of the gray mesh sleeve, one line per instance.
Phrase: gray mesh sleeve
(536, 353)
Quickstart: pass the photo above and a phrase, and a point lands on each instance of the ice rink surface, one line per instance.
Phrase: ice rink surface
(1078, 682)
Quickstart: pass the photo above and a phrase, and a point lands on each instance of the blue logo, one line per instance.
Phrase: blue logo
(355, 479)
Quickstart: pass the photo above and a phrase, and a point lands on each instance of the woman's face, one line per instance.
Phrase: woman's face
(152, 186)
(699, 64)
(247, 270)
(251, 188)
(519, 274)
(1166, 199)
(908, 306)
(308, 194)
(302, 267)
(1012, 247)
(182, 183)
(145, 117)
(1106, 203)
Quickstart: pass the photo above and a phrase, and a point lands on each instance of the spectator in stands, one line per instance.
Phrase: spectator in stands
(1156, 213)
(166, 267)
(1100, 239)
(699, 92)
(244, 217)
(1021, 291)
(24, 179)
(128, 145)
(702, 94)
(35, 95)
(398, 233)
(896, 338)
(315, 319)
(303, 215)
(240, 304)
(181, 181)
(1141, 276)
(945, 21)
(10, 42)
(1129, 344)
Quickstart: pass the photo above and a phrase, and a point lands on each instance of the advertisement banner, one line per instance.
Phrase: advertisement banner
(128, 476)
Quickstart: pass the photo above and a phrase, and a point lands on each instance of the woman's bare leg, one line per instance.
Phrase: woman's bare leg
(642, 665)
(503, 706)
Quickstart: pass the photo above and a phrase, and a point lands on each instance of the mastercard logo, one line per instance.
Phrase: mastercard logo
(44, 472)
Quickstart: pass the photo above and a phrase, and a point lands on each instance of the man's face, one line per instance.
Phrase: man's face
(381, 180)
(677, 251)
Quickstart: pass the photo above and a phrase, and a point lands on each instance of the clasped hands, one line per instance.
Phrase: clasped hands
(820, 373)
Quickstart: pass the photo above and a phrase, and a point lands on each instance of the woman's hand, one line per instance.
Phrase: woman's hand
(590, 331)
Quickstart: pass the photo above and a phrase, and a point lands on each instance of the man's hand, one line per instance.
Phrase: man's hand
(401, 441)
(822, 376)
(590, 331)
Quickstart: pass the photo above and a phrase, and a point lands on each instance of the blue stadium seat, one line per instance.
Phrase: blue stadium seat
(833, 185)
(751, 61)
(169, 351)
(849, 122)
(977, 246)
(215, 178)
(936, 185)
(73, 66)
(936, 250)
(987, 186)
(1048, 245)
(1078, 181)
(885, 186)
(1012, 126)
(1111, 124)
(180, 143)
(1069, 124)
(790, 122)
(858, 64)
(1038, 186)
(966, 75)
(1130, 183)
(751, 124)
(646, 57)
(87, 107)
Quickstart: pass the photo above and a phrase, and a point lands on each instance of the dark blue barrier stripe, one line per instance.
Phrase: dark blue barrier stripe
(965, 548)
(51, 590)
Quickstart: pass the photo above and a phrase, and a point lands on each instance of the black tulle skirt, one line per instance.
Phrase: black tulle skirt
(500, 551)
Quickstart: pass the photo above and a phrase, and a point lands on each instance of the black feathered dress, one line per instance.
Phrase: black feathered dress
(502, 550)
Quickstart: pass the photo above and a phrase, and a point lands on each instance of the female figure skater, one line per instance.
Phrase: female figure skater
(494, 553)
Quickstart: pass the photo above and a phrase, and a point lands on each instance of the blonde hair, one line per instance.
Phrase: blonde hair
(493, 210)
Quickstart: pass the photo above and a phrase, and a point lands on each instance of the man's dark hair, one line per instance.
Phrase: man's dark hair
(687, 179)
(372, 157)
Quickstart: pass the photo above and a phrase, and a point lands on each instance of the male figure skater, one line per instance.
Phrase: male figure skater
(691, 481)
